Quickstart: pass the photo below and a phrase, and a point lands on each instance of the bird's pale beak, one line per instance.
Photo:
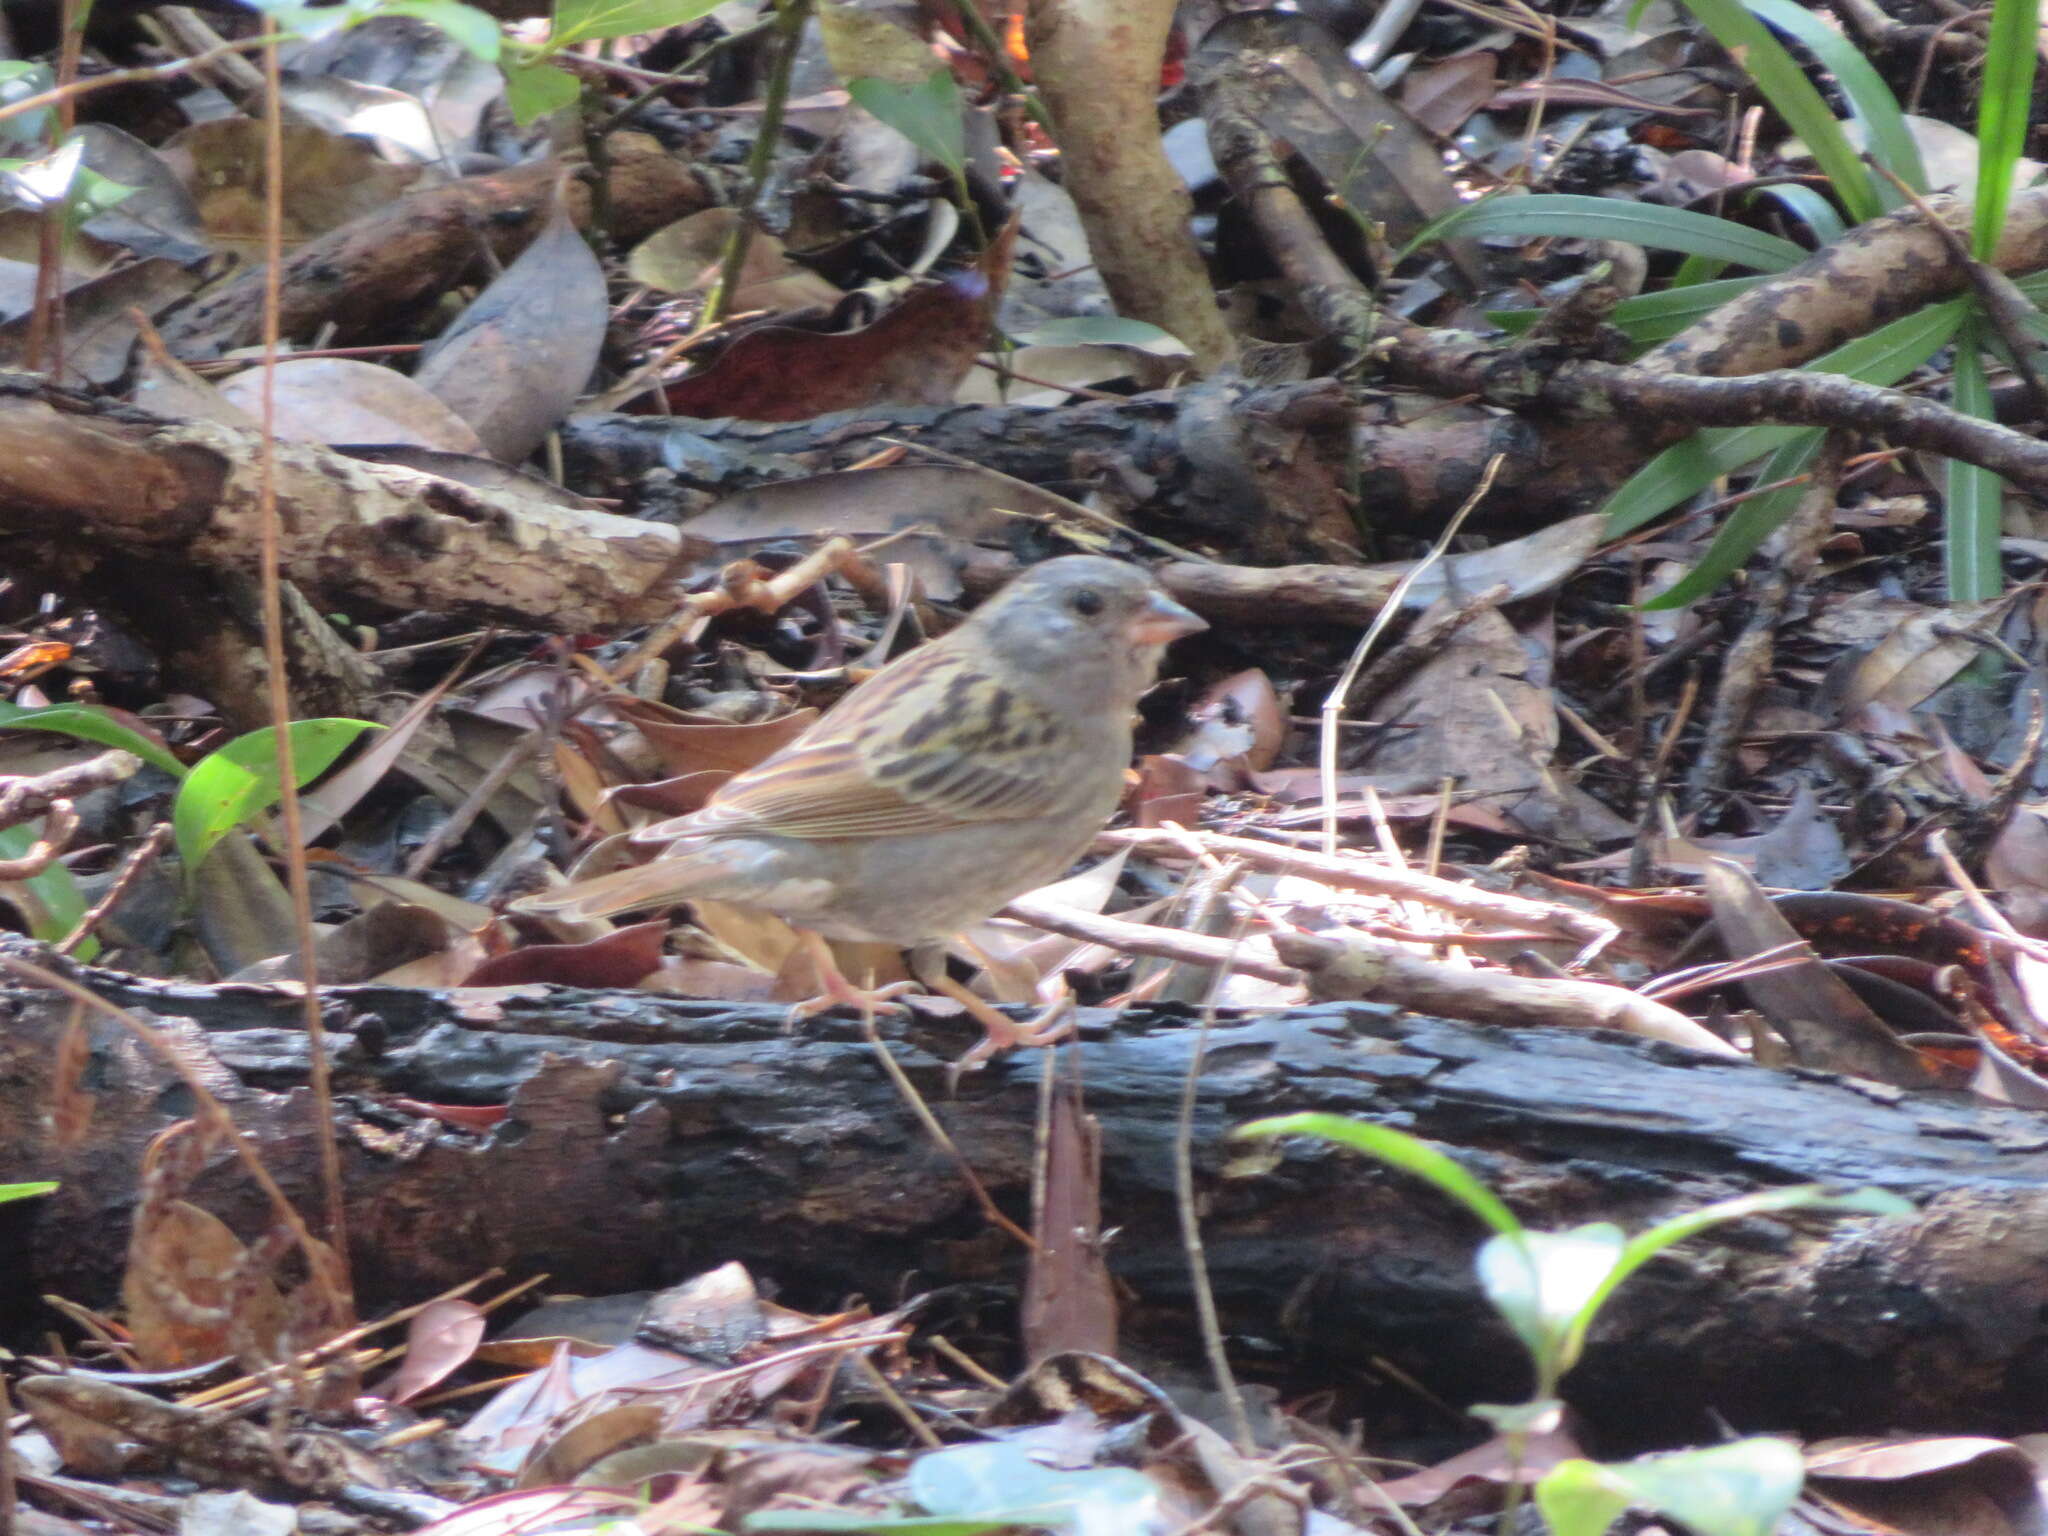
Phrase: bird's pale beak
(1162, 620)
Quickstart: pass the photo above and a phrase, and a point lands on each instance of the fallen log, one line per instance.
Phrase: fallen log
(650, 1137)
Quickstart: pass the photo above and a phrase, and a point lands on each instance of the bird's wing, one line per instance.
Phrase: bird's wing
(932, 741)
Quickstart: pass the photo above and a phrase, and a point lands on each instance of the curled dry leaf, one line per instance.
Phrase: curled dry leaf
(916, 354)
(619, 959)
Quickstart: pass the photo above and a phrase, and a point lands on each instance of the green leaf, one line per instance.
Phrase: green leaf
(1808, 207)
(472, 30)
(1607, 218)
(927, 114)
(1576, 1499)
(51, 902)
(229, 788)
(1974, 497)
(89, 724)
(1742, 1489)
(2004, 106)
(1684, 469)
(1647, 318)
(1697, 269)
(577, 20)
(1398, 1150)
(982, 1480)
(26, 1191)
(1540, 1281)
(1871, 101)
(1764, 59)
(1645, 1246)
(1754, 519)
(534, 90)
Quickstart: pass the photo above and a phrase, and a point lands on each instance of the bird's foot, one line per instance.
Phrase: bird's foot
(1002, 1033)
(841, 993)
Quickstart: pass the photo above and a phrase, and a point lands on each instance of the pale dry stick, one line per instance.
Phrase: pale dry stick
(1333, 703)
(1999, 926)
(967, 1362)
(920, 1431)
(923, 1111)
(1360, 874)
(204, 1103)
(331, 1349)
(43, 100)
(764, 596)
(1351, 966)
(1206, 1317)
(1144, 939)
(271, 583)
(145, 854)
(184, 30)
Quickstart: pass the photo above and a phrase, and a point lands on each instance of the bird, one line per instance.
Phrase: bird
(974, 768)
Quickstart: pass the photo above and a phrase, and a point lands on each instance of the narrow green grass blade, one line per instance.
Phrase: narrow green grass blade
(1684, 469)
(1748, 525)
(1607, 218)
(2002, 113)
(1870, 99)
(1648, 318)
(1787, 89)
(1975, 497)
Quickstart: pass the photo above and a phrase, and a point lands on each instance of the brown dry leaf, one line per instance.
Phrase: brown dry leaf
(374, 942)
(565, 1457)
(1069, 1298)
(916, 354)
(718, 981)
(1442, 95)
(1480, 711)
(1360, 141)
(177, 1289)
(1920, 654)
(329, 179)
(70, 1104)
(439, 1340)
(518, 357)
(689, 743)
(1938, 1485)
(99, 332)
(619, 959)
(685, 257)
(1169, 788)
(1240, 726)
(346, 400)
(664, 799)
(1828, 1025)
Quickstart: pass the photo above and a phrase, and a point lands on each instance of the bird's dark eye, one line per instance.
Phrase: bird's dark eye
(1087, 602)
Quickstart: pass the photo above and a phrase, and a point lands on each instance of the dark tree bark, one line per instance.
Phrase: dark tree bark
(650, 1138)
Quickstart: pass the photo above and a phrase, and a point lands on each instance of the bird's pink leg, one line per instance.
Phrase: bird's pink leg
(838, 991)
(999, 1031)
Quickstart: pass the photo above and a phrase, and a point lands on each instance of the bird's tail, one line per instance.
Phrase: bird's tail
(658, 884)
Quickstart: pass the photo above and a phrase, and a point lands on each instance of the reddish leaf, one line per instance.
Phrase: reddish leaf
(916, 354)
(440, 1340)
(618, 959)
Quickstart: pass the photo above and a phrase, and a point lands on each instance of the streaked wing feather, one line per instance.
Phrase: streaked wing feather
(928, 743)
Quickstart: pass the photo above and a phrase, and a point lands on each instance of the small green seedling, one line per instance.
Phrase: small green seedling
(1549, 1286)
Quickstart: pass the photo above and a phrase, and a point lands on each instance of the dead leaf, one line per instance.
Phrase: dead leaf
(438, 1341)
(521, 354)
(916, 354)
(620, 959)
(346, 400)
